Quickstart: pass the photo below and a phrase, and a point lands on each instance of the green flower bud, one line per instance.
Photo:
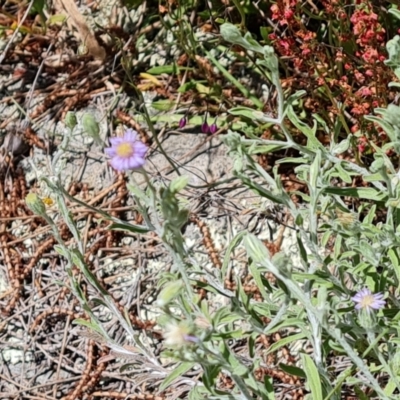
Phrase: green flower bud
(35, 204)
(91, 127)
(170, 291)
(70, 120)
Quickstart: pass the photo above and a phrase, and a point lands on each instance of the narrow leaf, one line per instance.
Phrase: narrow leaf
(313, 379)
(128, 227)
(292, 370)
(358, 192)
(285, 341)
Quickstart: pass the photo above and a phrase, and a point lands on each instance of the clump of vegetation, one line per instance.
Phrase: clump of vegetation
(303, 97)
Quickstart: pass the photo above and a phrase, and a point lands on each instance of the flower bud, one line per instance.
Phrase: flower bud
(169, 292)
(205, 127)
(92, 128)
(213, 128)
(182, 122)
(70, 120)
(345, 219)
(35, 204)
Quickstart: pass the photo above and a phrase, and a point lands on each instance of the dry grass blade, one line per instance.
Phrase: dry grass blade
(86, 35)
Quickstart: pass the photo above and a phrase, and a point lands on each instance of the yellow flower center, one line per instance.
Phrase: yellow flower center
(367, 301)
(48, 201)
(124, 150)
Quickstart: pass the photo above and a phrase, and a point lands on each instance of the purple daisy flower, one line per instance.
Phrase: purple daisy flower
(365, 300)
(127, 152)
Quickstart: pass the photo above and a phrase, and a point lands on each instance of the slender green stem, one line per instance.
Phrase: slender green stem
(235, 82)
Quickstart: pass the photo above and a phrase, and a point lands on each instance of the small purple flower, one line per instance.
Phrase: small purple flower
(367, 301)
(127, 152)
(191, 338)
(182, 122)
(205, 127)
(213, 128)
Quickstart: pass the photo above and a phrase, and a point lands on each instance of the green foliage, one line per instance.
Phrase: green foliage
(344, 242)
(312, 375)
(38, 7)
(91, 128)
(393, 49)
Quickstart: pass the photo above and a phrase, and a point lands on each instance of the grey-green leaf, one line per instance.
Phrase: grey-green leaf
(313, 379)
(176, 373)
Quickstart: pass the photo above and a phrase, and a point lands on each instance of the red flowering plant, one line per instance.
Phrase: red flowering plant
(336, 51)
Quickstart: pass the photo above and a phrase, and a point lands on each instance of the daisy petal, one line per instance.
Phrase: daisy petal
(110, 151)
(136, 162)
(130, 135)
(140, 148)
(115, 141)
